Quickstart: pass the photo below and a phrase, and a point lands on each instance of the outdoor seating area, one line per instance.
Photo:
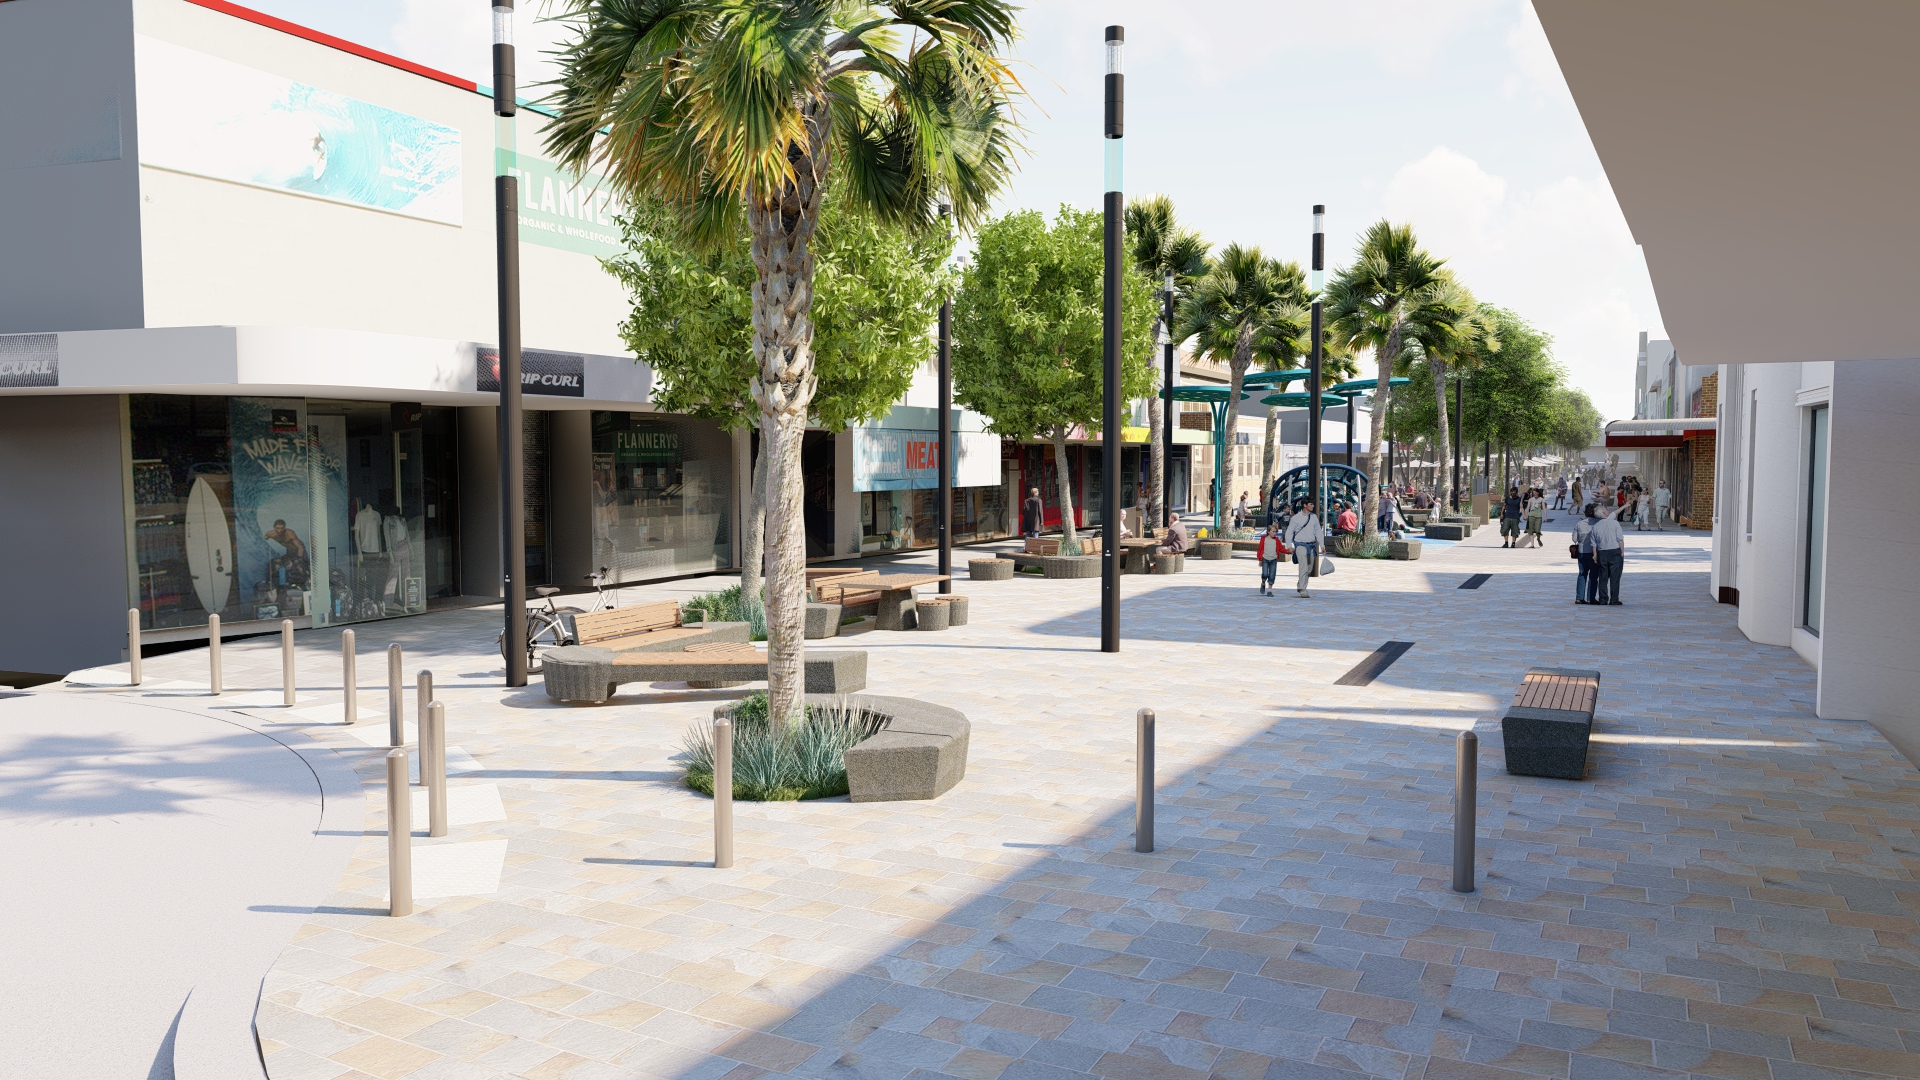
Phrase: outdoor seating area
(650, 626)
(586, 674)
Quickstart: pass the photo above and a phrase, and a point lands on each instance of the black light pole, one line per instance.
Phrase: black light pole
(1166, 418)
(1459, 433)
(946, 436)
(1110, 340)
(1318, 284)
(506, 207)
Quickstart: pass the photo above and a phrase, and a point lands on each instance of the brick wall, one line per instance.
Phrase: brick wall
(1706, 403)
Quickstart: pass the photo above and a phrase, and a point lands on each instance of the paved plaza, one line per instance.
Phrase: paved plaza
(1727, 894)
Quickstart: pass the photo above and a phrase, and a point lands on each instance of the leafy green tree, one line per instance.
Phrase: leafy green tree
(1509, 399)
(1027, 324)
(1574, 424)
(877, 288)
(1455, 335)
(732, 109)
(1245, 307)
(1162, 248)
(1392, 287)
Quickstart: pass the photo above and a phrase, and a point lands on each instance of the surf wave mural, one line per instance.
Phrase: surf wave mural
(210, 117)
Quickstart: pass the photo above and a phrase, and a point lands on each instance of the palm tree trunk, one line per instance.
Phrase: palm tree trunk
(1269, 456)
(1237, 373)
(1382, 397)
(753, 551)
(781, 224)
(1072, 536)
(1444, 487)
(1157, 450)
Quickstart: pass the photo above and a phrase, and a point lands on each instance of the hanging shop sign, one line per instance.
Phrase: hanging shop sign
(904, 459)
(210, 117)
(549, 373)
(29, 360)
(561, 210)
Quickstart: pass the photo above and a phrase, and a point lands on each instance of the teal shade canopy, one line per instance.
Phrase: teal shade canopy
(1300, 400)
(1274, 378)
(1362, 385)
(1215, 394)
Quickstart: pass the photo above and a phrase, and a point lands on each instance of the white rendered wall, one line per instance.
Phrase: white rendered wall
(1870, 666)
(1766, 569)
(223, 253)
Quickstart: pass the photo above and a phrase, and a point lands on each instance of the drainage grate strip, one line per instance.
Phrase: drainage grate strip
(1475, 581)
(1375, 665)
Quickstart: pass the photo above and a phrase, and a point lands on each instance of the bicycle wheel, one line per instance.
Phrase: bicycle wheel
(544, 631)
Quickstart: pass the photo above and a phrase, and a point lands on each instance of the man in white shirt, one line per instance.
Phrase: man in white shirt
(1662, 506)
(1609, 557)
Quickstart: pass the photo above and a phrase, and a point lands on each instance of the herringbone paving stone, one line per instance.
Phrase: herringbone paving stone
(1728, 893)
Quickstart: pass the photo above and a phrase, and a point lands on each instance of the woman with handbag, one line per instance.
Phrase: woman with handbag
(1304, 535)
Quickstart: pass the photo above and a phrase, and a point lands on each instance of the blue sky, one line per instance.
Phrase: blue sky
(1449, 114)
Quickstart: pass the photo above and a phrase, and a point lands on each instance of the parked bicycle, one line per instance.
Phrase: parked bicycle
(551, 627)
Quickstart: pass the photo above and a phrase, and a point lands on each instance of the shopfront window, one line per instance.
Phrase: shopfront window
(271, 508)
(660, 495)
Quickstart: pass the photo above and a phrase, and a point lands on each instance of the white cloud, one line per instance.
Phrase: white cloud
(1536, 73)
(1559, 254)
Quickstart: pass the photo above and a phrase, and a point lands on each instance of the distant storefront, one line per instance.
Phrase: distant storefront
(896, 476)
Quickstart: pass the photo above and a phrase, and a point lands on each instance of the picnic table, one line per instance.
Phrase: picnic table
(896, 596)
(1135, 551)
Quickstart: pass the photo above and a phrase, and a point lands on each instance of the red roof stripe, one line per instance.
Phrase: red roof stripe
(330, 41)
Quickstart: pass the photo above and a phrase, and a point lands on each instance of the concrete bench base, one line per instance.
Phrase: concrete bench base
(583, 673)
(1059, 566)
(1549, 742)
(921, 753)
(1445, 531)
(823, 620)
(931, 614)
(1164, 563)
(1216, 550)
(989, 569)
(1408, 549)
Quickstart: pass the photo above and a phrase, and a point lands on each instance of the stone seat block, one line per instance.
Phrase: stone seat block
(990, 569)
(1216, 550)
(1169, 563)
(1408, 549)
(1449, 530)
(823, 620)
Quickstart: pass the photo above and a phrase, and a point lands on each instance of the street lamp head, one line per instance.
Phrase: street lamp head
(1116, 38)
(505, 101)
(1169, 281)
(1319, 218)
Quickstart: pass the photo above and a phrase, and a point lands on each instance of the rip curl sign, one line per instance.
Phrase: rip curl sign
(550, 373)
(29, 360)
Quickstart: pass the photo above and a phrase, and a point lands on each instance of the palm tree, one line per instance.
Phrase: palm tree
(1162, 248)
(1245, 306)
(1457, 337)
(719, 108)
(1391, 288)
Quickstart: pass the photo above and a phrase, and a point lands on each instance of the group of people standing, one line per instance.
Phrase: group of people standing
(1518, 512)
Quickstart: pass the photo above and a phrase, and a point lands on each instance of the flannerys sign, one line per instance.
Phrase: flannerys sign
(560, 211)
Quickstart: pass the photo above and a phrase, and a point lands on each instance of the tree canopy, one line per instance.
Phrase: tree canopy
(877, 289)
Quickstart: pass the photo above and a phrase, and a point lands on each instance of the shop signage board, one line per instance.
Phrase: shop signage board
(904, 459)
(646, 447)
(210, 117)
(558, 209)
(29, 360)
(549, 373)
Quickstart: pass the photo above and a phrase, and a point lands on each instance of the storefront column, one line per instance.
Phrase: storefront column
(846, 501)
(742, 491)
(479, 433)
(570, 499)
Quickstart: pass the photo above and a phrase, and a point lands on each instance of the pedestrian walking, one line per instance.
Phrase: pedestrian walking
(1510, 518)
(1577, 493)
(1643, 509)
(1240, 512)
(1268, 550)
(1584, 586)
(1304, 534)
(1609, 558)
(1560, 495)
(1032, 514)
(1536, 519)
(1662, 506)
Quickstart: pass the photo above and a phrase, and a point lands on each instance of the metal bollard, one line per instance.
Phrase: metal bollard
(723, 793)
(1466, 780)
(213, 653)
(399, 835)
(133, 645)
(422, 698)
(286, 661)
(396, 698)
(433, 765)
(1143, 782)
(349, 682)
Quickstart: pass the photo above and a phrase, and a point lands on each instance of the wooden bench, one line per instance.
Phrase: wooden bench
(855, 589)
(585, 673)
(655, 625)
(1050, 545)
(1549, 724)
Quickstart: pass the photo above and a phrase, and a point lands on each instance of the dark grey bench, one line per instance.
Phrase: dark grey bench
(1403, 549)
(1549, 724)
(583, 673)
(1445, 530)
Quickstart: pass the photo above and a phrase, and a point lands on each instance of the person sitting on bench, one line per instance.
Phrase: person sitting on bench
(1176, 536)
